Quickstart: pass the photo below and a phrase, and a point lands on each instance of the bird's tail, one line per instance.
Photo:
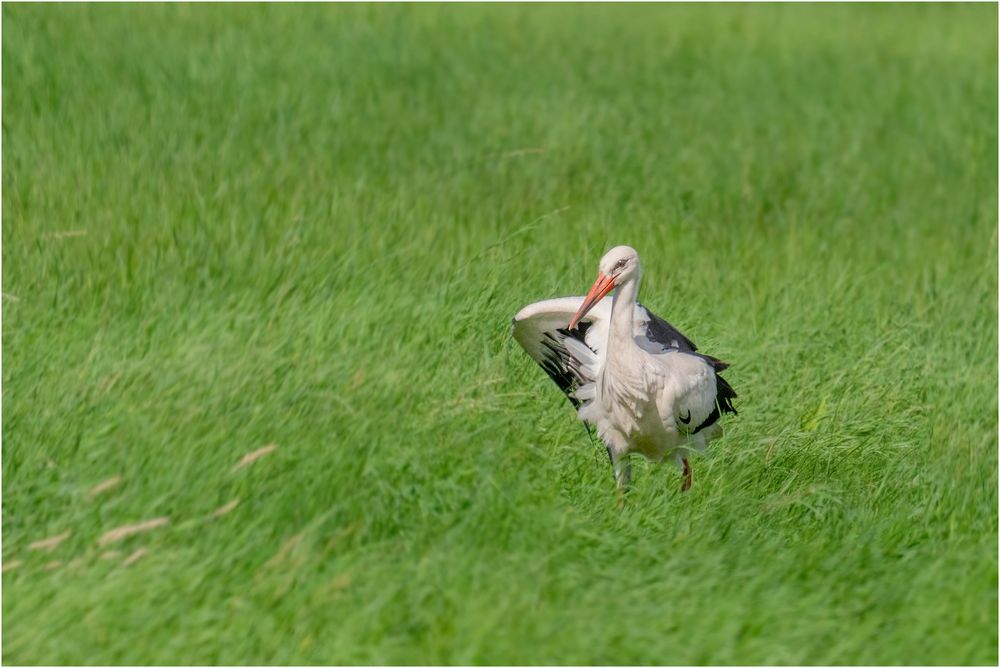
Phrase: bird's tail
(725, 394)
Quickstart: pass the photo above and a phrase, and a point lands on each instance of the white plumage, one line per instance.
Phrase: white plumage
(631, 375)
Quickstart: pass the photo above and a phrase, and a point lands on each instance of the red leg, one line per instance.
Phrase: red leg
(687, 476)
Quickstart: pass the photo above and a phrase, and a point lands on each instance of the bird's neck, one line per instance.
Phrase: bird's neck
(623, 311)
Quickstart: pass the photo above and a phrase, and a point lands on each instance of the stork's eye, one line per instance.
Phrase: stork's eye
(620, 264)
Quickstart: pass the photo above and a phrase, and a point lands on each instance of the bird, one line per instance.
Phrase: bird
(632, 377)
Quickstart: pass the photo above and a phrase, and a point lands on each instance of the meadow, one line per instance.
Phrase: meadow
(259, 267)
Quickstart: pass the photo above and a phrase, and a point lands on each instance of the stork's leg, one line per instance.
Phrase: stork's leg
(623, 473)
(686, 485)
(622, 468)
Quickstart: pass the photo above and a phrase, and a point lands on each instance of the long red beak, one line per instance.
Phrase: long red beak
(601, 287)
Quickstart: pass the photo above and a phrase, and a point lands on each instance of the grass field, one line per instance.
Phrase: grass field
(309, 226)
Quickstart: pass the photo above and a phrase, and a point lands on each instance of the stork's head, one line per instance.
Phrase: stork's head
(619, 265)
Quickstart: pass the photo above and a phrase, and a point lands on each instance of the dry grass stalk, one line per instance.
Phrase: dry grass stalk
(135, 556)
(285, 549)
(104, 486)
(222, 510)
(49, 544)
(10, 565)
(131, 529)
(255, 455)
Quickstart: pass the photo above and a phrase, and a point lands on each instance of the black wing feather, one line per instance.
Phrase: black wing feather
(562, 367)
(662, 332)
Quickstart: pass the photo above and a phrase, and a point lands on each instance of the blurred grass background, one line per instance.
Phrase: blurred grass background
(309, 226)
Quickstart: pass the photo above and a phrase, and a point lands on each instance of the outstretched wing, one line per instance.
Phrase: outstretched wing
(576, 357)
(571, 358)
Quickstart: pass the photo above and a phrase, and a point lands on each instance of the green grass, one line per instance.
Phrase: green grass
(311, 225)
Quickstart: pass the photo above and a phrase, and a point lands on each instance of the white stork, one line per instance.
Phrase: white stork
(630, 374)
